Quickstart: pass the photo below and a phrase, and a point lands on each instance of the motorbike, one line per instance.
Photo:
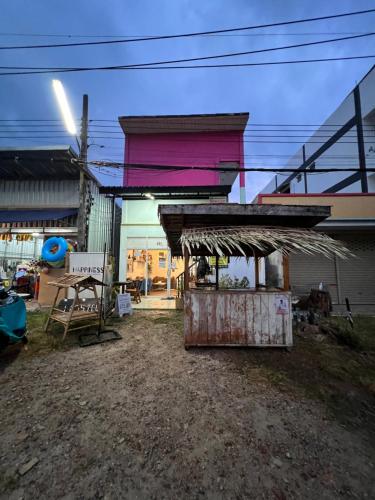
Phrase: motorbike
(13, 328)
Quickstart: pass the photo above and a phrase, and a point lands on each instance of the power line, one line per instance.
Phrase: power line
(219, 169)
(203, 140)
(131, 37)
(202, 66)
(247, 141)
(157, 126)
(154, 64)
(188, 35)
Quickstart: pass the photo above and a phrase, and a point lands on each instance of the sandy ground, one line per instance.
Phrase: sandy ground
(141, 418)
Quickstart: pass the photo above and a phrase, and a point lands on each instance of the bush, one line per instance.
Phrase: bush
(341, 330)
(226, 281)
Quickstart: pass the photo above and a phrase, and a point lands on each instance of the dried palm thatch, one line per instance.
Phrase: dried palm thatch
(248, 240)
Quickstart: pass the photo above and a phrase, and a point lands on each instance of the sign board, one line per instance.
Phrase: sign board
(90, 264)
(282, 304)
(223, 262)
(123, 304)
(134, 243)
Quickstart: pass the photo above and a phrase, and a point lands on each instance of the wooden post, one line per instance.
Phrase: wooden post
(286, 272)
(186, 271)
(256, 264)
(82, 210)
(52, 309)
(217, 272)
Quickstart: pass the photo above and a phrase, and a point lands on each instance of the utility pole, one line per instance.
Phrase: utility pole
(82, 211)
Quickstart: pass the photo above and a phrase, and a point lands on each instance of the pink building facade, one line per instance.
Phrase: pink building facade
(189, 140)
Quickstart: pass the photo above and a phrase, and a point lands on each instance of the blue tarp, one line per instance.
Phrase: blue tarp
(31, 215)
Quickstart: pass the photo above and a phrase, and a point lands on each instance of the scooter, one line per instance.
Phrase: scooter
(12, 319)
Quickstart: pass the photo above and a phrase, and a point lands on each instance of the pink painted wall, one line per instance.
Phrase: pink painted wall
(185, 149)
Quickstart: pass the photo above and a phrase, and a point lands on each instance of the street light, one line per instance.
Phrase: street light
(64, 106)
(70, 125)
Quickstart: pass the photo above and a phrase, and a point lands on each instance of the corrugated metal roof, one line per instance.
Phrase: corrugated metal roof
(44, 162)
(32, 215)
(157, 124)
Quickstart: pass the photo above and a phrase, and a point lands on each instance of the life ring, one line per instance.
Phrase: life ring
(62, 247)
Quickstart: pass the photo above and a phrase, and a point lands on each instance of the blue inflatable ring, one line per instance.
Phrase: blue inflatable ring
(62, 247)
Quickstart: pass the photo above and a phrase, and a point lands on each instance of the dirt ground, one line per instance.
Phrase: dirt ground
(141, 418)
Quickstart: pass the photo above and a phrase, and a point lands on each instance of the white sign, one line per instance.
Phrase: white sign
(282, 304)
(123, 304)
(90, 264)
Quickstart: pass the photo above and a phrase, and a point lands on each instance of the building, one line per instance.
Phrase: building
(161, 142)
(39, 197)
(352, 221)
(345, 140)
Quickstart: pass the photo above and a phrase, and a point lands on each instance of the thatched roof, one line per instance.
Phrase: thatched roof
(176, 218)
(259, 240)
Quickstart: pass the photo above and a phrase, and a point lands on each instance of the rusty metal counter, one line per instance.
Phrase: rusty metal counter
(237, 317)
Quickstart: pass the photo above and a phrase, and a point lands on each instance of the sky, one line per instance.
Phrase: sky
(286, 94)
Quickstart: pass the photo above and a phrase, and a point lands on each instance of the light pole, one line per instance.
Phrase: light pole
(71, 128)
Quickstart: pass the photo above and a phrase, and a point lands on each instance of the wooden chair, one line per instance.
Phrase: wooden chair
(135, 291)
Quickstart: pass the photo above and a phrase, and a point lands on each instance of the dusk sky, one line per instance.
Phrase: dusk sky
(286, 94)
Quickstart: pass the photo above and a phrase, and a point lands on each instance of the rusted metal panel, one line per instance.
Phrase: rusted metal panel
(229, 318)
(264, 319)
(238, 319)
(203, 306)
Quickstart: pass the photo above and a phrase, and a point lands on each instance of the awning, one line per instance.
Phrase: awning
(10, 216)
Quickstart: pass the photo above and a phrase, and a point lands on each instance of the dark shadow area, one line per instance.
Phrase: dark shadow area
(9, 355)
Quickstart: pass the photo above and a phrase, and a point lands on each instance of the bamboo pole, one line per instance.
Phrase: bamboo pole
(286, 272)
(256, 264)
(186, 271)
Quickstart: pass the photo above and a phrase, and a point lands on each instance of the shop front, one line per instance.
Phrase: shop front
(149, 263)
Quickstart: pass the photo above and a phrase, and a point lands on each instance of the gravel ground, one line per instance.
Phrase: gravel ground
(141, 418)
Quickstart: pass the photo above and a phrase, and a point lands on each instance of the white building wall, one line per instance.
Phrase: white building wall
(140, 220)
(342, 154)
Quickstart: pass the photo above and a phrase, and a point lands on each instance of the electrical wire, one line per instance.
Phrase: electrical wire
(219, 169)
(247, 141)
(154, 64)
(221, 122)
(189, 35)
(203, 140)
(64, 35)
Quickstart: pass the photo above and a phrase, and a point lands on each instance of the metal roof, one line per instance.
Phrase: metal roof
(165, 192)
(55, 214)
(175, 218)
(158, 124)
(42, 162)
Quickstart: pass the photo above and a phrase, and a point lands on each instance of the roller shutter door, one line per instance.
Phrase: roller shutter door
(357, 274)
(308, 271)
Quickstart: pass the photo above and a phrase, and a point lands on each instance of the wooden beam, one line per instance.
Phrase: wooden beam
(186, 271)
(286, 272)
(217, 272)
(256, 265)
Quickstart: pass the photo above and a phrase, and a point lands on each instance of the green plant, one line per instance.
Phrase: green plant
(226, 282)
